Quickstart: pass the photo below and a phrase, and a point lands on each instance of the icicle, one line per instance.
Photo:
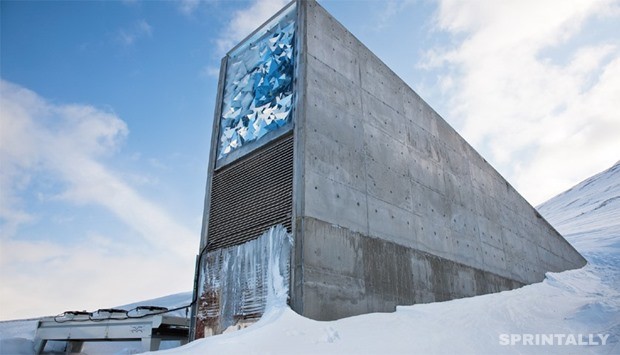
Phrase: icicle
(241, 282)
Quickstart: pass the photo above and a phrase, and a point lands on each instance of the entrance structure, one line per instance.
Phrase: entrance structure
(384, 202)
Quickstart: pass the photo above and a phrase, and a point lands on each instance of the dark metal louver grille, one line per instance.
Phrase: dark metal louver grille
(252, 195)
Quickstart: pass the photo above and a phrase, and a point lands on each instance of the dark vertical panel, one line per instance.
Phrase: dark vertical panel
(251, 195)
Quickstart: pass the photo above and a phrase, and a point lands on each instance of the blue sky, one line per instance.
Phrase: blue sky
(107, 110)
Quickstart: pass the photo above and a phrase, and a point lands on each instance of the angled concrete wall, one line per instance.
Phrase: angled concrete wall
(391, 205)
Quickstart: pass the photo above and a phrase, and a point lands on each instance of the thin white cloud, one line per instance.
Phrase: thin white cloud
(391, 8)
(187, 7)
(210, 71)
(243, 22)
(67, 144)
(45, 278)
(139, 30)
(544, 123)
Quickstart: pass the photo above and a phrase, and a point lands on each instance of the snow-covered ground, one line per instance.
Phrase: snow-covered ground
(580, 306)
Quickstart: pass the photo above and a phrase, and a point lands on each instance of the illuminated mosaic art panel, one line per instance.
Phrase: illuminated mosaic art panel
(258, 89)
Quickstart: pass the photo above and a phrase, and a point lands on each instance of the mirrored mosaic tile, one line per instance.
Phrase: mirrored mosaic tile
(258, 90)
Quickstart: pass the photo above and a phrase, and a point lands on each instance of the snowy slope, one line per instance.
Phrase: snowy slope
(588, 215)
(584, 301)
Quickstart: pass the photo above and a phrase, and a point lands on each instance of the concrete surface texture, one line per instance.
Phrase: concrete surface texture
(391, 206)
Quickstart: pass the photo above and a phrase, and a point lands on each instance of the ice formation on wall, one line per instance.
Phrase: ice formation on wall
(239, 282)
(258, 89)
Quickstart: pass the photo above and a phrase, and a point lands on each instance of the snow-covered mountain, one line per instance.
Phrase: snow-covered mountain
(588, 215)
(578, 305)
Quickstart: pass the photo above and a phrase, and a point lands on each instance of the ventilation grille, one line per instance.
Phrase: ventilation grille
(251, 195)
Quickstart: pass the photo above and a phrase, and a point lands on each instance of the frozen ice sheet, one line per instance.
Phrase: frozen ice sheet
(238, 282)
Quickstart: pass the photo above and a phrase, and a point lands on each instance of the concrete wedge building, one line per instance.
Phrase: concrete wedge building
(381, 203)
